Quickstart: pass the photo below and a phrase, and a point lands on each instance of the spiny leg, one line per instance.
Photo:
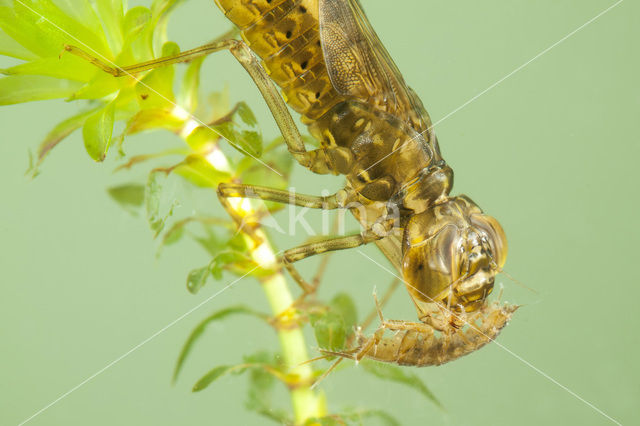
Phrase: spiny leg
(237, 190)
(248, 60)
(327, 245)
(328, 202)
(315, 282)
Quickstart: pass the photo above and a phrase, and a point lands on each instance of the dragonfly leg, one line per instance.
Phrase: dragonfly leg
(248, 60)
(236, 190)
(322, 268)
(327, 245)
(329, 202)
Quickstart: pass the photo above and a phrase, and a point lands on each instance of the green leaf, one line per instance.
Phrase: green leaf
(158, 206)
(211, 376)
(97, 132)
(58, 133)
(197, 170)
(202, 326)
(10, 47)
(329, 330)
(82, 11)
(197, 278)
(67, 67)
(228, 258)
(30, 30)
(212, 243)
(176, 231)
(343, 305)
(172, 236)
(101, 85)
(161, 10)
(399, 375)
(15, 89)
(241, 130)
(155, 90)
(188, 95)
(129, 195)
(112, 15)
(44, 28)
(136, 47)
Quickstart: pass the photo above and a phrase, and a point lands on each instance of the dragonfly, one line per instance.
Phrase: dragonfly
(323, 59)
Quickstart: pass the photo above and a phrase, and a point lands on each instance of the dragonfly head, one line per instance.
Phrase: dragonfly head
(451, 255)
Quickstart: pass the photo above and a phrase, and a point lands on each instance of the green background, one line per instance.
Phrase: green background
(552, 152)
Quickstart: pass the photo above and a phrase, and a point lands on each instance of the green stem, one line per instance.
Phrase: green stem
(306, 403)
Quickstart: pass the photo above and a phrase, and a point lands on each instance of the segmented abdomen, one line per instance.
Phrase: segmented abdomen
(423, 349)
(285, 34)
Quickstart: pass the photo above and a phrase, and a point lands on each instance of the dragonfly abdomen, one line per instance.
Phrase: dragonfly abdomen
(285, 35)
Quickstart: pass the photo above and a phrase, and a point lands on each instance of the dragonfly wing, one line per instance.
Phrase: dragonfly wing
(359, 65)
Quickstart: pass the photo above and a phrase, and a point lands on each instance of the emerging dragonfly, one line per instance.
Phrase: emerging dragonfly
(372, 128)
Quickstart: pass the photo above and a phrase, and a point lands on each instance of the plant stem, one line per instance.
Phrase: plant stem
(306, 403)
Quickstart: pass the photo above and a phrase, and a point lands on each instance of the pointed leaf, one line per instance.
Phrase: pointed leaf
(26, 26)
(135, 47)
(10, 47)
(399, 375)
(67, 67)
(129, 195)
(188, 96)
(60, 132)
(97, 131)
(101, 85)
(15, 89)
(211, 376)
(44, 28)
(197, 278)
(202, 326)
(226, 259)
(242, 131)
(82, 11)
(112, 16)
